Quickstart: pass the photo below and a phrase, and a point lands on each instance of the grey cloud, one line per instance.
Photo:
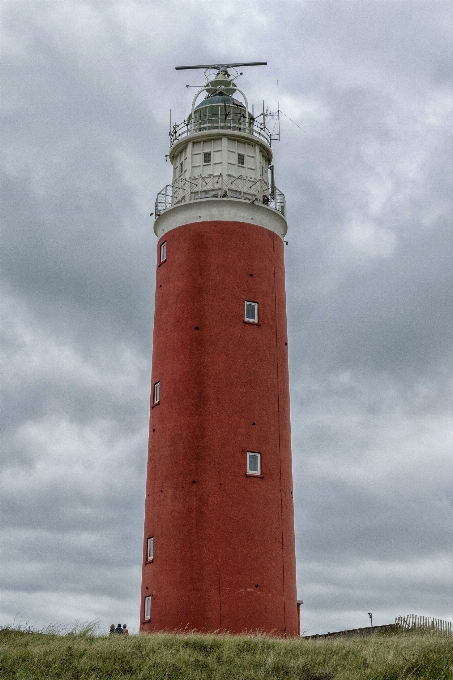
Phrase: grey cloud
(66, 556)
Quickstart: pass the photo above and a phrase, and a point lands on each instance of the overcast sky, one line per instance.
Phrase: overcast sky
(366, 167)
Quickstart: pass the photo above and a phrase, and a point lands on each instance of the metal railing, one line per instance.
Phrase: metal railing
(219, 186)
(253, 127)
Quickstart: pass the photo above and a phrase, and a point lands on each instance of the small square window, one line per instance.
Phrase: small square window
(207, 157)
(148, 607)
(163, 251)
(150, 549)
(241, 159)
(253, 463)
(156, 396)
(251, 311)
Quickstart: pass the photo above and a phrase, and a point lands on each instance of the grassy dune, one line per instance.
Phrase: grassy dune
(30, 655)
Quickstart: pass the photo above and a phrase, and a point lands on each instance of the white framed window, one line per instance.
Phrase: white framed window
(206, 157)
(241, 159)
(253, 463)
(148, 607)
(251, 311)
(163, 251)
(156, 393)
(150, 549)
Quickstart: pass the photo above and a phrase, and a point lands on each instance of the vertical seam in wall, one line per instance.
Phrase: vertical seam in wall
(220, 600)
(279, 442)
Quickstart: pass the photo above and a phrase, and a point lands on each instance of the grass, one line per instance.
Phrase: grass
(82, 655)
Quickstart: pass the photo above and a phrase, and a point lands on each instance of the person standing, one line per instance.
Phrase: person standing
(112, 629)
(119, 629)
(125, 630)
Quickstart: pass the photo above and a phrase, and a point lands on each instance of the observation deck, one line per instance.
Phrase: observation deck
(219, 186)
(216, 121)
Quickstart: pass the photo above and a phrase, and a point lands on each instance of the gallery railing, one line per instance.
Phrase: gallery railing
(187, 127)
(219, 186)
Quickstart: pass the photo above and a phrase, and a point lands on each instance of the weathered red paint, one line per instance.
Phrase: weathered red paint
(224, 555)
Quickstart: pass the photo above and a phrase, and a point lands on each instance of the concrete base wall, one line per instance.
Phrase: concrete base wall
(369, 630)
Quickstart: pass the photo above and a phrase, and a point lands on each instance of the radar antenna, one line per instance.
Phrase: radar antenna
(221, 66)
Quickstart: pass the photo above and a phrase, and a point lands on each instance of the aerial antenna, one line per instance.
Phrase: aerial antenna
(220, 66)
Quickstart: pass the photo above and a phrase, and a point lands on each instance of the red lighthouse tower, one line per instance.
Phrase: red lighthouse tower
(219, 549)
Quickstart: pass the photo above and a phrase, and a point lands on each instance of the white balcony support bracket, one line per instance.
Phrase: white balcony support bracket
(247, 122)
(193, 108)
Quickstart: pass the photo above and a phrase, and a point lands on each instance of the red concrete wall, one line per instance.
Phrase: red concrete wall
(224, 555)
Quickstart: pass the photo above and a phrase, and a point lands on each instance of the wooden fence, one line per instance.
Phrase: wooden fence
(415, 622)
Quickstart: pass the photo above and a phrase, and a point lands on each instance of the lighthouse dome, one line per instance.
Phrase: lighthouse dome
(219, 111)
(219, 98)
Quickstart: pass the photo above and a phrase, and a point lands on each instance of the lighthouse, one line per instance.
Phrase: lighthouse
(219, 551)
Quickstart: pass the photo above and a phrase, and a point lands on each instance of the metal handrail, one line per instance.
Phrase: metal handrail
(253, 127)
(201, 187)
